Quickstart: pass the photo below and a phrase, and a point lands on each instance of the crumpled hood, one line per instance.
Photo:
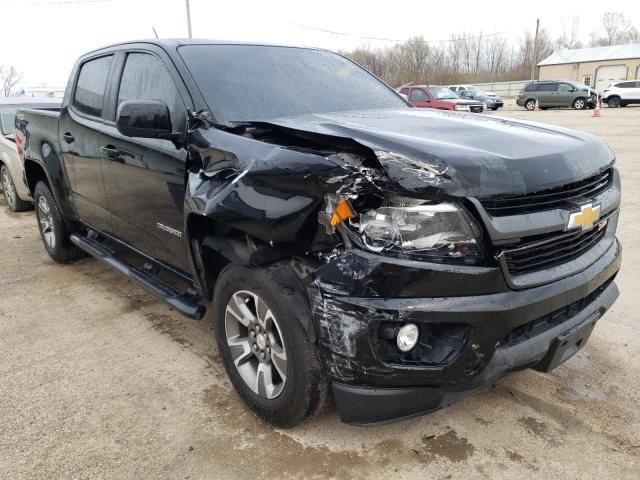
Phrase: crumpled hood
(479, 155)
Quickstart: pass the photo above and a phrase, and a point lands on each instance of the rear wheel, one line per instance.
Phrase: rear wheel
(579, 103)
(613, 102)
(530, 104)
(269, 357)
(10, 194)
(53, 230)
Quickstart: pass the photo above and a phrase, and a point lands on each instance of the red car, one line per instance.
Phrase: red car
(436, 96)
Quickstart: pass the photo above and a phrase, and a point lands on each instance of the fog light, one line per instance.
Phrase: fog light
(407, 337)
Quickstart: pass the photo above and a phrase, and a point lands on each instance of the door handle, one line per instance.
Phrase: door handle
(110, 151)
(68, 137)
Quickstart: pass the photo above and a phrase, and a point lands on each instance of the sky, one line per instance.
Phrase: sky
(43, 38)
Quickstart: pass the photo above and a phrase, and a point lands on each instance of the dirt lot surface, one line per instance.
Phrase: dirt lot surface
(101, 380)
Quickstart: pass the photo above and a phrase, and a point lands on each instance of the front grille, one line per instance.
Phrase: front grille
(550, 320)
(549, 250)
(550, 198)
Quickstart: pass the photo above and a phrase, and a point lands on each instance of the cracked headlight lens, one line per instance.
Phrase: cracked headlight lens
(440, 231)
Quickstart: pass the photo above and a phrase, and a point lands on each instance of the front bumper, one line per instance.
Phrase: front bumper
(369, 389)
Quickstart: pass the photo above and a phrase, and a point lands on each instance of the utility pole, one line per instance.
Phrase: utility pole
(188, 19)
(535, 50)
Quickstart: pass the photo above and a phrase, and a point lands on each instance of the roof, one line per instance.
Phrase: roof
(594, 54)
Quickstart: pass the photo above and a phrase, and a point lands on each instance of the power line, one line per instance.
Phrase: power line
(364, 37)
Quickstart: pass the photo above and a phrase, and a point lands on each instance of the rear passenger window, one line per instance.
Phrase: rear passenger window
(532, 87)
(89, 94)
(548, 87)
(626, 85)
(146, 78)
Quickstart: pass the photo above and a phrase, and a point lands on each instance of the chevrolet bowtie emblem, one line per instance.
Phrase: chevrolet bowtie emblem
(585, 218)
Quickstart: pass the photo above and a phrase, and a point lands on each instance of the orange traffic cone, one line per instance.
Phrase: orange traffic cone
(537, 107)
(596, 111)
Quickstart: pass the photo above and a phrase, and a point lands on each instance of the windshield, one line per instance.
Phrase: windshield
(442, 93)
(255, 82)
(7, 121)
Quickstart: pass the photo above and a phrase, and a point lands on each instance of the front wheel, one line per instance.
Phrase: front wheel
(10, 193)
(53, 230)
(267, 353)
(579, 103)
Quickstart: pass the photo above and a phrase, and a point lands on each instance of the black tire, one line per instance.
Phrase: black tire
(14, 202)
(530, 104)
(579, 103)
(305, 390)
(614, 102)
(50, 222)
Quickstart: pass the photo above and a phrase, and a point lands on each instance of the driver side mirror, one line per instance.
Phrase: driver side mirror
(145, 119)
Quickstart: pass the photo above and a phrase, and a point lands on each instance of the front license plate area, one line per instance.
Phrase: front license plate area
(567, 345)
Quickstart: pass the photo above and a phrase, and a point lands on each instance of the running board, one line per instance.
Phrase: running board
(183, 302)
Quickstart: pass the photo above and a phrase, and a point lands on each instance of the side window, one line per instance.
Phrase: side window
(146, 78)
(404, 91)
(419, 95)
(7, 121)
(626, 85)
(89, 94)
(532, 87)
(548, 87)
(565, 87)
(453, 89)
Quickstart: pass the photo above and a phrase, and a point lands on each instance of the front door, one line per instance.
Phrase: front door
(145, 178)
(420, 98)
(79, 127)
(565, 95)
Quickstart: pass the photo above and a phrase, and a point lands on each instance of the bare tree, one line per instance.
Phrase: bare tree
(570, 35)
(9, 78)
(616, 30)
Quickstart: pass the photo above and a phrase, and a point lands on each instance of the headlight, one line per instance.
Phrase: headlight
(461, 108)
(440, 231)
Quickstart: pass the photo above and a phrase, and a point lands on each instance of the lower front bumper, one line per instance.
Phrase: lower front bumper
(368, 405)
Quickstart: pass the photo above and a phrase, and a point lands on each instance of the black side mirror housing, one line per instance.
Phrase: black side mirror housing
(145, 119)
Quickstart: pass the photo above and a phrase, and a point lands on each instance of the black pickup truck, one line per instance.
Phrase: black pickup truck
(398, 259)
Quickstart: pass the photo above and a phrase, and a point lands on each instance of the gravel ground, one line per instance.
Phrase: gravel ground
(100, 380)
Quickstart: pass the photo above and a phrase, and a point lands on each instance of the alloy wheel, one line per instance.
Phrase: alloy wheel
(256, 344)
(578, 104)
(46, 222)
(8, 188)
(613, 102)
(530, 105)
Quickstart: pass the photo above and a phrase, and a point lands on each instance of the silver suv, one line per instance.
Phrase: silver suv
(552, 93)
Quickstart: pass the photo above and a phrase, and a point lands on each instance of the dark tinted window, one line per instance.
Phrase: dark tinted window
(419, 95)
(547, 87)
(532, 87)
(146, 78)
(404, 91)
(626, 85)
(253, 82)
(91, 84)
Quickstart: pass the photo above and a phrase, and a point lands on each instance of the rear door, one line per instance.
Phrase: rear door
(80, 125)
(144, 177)
(548, 95)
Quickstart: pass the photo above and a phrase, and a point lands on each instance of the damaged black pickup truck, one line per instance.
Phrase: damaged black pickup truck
(398, 259)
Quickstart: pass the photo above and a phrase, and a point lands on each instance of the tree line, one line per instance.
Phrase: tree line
(478, 57)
